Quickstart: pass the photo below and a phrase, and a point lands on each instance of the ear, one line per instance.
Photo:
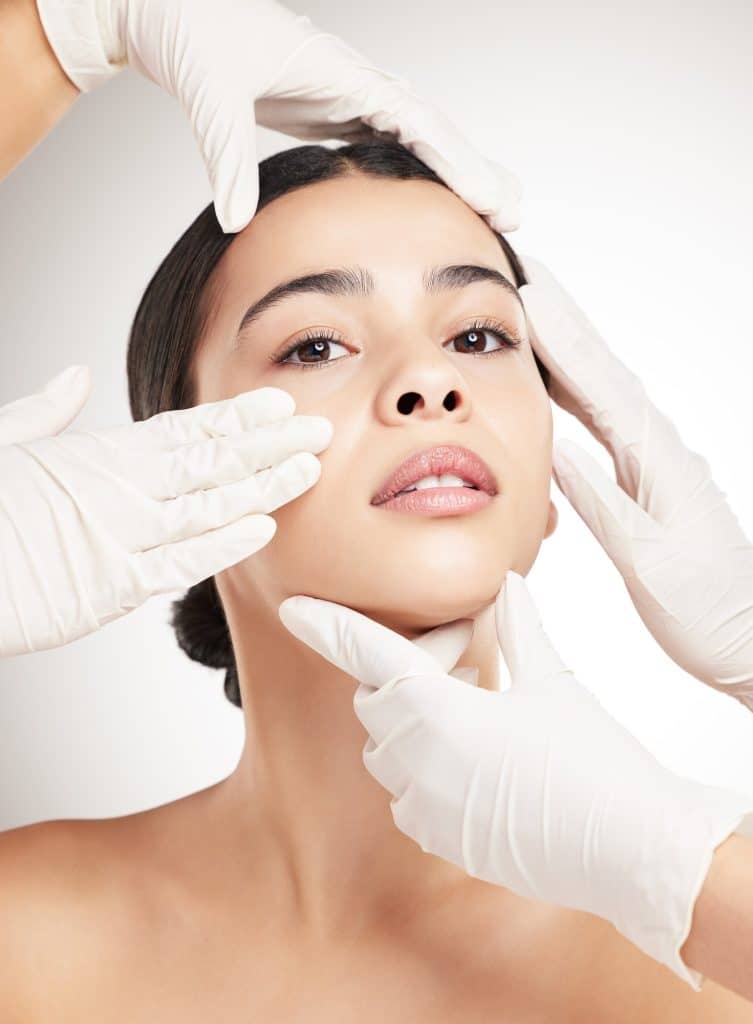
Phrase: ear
(551, 523)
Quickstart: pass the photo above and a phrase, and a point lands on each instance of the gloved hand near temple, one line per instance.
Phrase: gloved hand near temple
(667, 527)
(233, 63)
(535, 788)
(94, 523)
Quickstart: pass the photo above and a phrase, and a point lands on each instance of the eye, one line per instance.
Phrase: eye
(316, 345)
(475, 336)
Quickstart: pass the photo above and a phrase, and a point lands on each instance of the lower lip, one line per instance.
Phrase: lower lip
(439, 501)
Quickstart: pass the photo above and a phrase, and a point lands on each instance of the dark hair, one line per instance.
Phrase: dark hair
(172, 316)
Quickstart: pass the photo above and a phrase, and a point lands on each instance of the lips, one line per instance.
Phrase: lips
(434, 462)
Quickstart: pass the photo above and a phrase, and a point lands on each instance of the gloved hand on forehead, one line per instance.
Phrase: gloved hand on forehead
(536, 788)
(93, 523)
(234, 63)
(669, 530)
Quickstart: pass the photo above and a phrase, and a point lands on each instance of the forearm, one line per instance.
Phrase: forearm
(720, 943)
(34, 90)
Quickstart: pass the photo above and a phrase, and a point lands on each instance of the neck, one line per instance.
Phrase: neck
(306, 807)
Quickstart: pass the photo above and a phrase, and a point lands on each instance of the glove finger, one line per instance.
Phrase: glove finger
(446, 643)
(230, 157)
(351, 90)
(47, 412)
(528, 652)
(490, 189)
(225, 460)
(265, 491)
(615, 520)
(599, 389)
(366, 650)
(179, 565)
(226, 417)
(652, 463)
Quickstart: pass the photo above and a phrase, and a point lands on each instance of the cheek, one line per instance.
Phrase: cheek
(330, 544)
(523, 427)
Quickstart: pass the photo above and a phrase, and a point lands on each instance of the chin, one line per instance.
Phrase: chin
(423, 602)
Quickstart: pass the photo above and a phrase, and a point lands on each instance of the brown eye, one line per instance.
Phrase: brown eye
(311, 352)
(473, 340)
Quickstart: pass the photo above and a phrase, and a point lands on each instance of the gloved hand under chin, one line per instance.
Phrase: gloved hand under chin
(536, 788)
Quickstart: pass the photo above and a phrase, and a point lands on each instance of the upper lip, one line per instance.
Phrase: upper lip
(443, 458)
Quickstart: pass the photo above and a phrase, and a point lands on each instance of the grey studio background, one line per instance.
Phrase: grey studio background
(629, 127)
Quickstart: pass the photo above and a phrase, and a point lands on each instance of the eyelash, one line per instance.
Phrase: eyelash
(495, 328)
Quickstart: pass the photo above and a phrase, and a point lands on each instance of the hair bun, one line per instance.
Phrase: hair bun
(198, 619)
(202, 632)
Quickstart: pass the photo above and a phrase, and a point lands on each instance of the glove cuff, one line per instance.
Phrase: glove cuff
(73, 30)
(658, 916)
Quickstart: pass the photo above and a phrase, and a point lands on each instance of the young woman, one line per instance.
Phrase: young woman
(285, 892)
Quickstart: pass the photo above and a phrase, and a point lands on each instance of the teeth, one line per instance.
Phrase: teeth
(445, 480)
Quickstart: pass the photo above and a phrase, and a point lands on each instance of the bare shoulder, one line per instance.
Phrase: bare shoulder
(67, 901)
(44, 902)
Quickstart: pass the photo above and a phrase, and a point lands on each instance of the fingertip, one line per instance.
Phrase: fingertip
(237, 199)
(288, 609)
(507, 218)
(231, 220)
(77, 376)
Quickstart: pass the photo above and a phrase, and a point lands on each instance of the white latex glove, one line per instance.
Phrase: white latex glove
(536, 788)
(233, 63)
(92, 524)
(686, 562)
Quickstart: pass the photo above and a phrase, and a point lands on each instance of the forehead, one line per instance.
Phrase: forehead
(394, 228)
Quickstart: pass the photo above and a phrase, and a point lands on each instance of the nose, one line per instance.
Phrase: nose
(424, 392)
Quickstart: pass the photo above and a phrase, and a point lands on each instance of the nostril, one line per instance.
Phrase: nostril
(406, 402)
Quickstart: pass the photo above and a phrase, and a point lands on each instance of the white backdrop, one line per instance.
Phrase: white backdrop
(627, 126)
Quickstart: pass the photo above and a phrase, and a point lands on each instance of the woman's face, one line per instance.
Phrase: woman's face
(408, 571)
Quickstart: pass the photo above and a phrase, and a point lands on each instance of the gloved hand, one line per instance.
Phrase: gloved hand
(232, 63)
(536, 788)
(94, 523)
(686, 562)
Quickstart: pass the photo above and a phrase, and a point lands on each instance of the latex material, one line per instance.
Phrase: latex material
(232, 64)
(667, 527)
(536, 788)
(94, 523)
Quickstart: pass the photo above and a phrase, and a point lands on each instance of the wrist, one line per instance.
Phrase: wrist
(83, 35)
(669, 864)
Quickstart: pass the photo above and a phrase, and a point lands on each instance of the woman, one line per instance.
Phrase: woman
(229, 66)
(285, 891)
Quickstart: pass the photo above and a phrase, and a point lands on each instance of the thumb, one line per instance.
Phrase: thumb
(228, 148)
(48, 411)
(609, 512)
(527, 650)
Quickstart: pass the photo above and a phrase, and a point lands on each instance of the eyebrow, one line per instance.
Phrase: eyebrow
(358, 282)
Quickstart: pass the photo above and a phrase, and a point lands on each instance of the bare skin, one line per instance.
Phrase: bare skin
(152, 916)
(285, 892)
(35, 92)
(230, 904)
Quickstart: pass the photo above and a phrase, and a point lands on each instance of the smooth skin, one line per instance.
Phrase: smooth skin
(285, 891)
(34, 95)
(35, 92)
